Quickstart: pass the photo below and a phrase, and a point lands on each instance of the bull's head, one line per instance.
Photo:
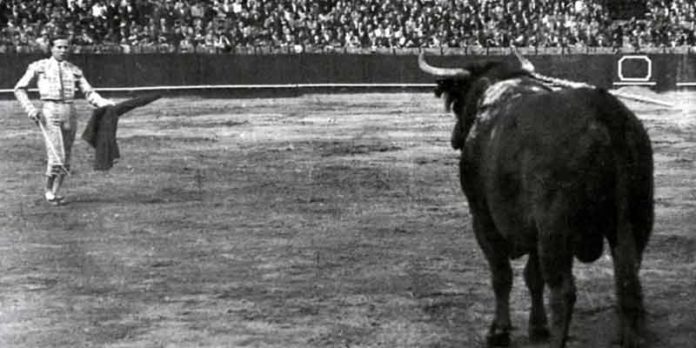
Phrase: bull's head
(462, 88)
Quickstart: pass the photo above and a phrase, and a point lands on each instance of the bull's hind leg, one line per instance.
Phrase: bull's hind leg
(556, 260)
(538, 325)
(629, 294)
(496, 250)
(557, 267)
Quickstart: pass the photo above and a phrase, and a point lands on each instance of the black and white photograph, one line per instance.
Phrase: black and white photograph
(348, 173)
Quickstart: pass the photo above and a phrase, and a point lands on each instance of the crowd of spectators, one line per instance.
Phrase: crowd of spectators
(221, 25)
(669, 23)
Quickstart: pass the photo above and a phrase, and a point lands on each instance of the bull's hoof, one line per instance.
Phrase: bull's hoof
(629, 338)
(498, 339)
(539, 334)
(630, 341)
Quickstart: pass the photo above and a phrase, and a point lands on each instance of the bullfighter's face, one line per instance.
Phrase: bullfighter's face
(60, 49)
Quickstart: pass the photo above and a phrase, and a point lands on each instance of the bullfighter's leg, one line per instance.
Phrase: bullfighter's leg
(57, 183)
(628, 294)
(538, 325)
(49, 183)
(497, 254)
(67, 132)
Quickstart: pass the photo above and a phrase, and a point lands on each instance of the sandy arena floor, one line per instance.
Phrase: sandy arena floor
(316, 221)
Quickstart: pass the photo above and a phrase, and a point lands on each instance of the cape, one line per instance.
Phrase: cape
(100, 131)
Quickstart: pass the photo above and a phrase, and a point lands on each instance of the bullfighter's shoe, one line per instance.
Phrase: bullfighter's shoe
(53, 199)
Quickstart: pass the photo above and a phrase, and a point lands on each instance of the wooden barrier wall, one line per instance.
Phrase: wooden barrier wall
(658, 71)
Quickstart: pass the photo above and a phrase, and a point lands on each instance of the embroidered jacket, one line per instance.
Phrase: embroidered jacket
(56, 81)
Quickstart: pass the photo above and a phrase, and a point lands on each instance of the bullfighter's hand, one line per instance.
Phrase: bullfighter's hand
(35, 116)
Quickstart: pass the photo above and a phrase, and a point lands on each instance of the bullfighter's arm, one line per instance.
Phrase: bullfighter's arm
(90, 94)
(20, 90)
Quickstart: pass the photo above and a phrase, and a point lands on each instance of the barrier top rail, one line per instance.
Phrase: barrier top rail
(260, 50)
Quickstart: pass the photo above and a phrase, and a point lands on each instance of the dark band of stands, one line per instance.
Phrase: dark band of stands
(218, 26)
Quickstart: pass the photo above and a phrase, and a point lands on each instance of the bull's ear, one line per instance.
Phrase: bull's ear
(439, 88)
(457, 140)
(447, 100)
(524, 62)
(445, 90)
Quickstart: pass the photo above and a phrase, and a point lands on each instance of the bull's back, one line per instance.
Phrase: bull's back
(558, 153)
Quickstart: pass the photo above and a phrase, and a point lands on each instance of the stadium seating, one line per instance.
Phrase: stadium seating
(216, 26)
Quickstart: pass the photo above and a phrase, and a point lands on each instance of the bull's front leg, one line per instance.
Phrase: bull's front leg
(496, 251)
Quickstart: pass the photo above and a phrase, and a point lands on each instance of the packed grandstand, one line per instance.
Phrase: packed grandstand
(224, 25)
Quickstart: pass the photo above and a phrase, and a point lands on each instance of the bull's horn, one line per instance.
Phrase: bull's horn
(526, 64)
(440, 72)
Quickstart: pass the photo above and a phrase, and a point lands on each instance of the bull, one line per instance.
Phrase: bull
(550, 174)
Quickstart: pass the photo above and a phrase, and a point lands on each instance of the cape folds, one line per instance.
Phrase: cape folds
(100, 131)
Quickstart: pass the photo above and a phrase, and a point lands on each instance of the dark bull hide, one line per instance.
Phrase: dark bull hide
(550, 174)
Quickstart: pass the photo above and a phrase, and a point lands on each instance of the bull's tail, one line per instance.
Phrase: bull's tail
(634, 173)
(634, 209)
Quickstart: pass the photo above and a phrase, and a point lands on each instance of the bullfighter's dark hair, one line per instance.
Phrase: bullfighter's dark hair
(55, 38)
